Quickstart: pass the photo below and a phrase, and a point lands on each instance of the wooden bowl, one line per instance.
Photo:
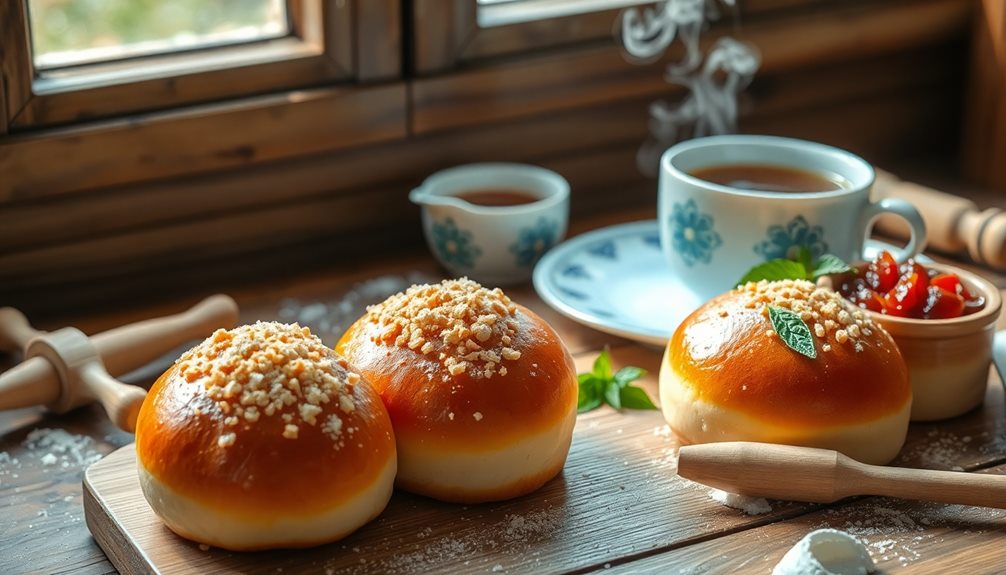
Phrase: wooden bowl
(948, 359)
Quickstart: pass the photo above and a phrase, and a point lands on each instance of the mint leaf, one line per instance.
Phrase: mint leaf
(792, 330)
(805, 258)
(775, 270)
(628, 374)
(589, 396)
(588, 404)
(600, 386)
(612, 394)
(634, 397)
(830, 264)
(602, 365)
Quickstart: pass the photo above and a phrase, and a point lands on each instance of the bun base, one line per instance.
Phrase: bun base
(216, 527)
(694, 420)
(456, 476)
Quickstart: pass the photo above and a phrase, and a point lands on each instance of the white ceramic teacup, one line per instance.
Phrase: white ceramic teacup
(712, 234)
(494, 245)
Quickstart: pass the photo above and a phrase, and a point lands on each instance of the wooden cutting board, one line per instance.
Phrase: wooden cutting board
(616, 501)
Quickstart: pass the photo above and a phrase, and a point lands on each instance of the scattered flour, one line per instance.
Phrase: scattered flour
(749, 505)
(49, 451)
(54, 446)
(530, 526)
(513, 536)
(942, 450)
(890, 534)
(330, 319)
(668, 455)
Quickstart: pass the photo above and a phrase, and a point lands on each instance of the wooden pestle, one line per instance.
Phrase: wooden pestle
(823, 476)
(953, 223)
(38, 381)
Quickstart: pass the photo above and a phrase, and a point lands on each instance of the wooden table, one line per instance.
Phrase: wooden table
(617, 507)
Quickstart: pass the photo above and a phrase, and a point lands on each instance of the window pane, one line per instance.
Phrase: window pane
(67, 32)
(503, 12)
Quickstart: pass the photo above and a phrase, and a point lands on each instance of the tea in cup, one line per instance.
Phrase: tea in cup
(492, 222)
(727, 203)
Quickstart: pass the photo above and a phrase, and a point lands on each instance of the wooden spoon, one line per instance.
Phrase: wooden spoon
(823, 476)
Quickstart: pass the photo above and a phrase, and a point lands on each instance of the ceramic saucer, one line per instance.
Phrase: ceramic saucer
(616, 280)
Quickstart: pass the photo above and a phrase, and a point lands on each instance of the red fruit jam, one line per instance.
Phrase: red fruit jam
(908, 290)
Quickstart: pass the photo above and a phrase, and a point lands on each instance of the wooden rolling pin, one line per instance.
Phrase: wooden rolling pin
(65, 369)
(823, 476)
(953, 224)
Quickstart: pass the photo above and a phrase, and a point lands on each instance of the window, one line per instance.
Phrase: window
(225, 83)
(503, 12)
(74, 32)
(71, 61)
(452, 32)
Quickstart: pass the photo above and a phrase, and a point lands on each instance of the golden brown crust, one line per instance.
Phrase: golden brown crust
(261, 470)
(428, 403)
(728, 354)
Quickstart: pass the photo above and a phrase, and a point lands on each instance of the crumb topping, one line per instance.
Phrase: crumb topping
(271, 370)
(467, 328)
(831, 318)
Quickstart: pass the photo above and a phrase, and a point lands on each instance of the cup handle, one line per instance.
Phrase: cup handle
(909, 213)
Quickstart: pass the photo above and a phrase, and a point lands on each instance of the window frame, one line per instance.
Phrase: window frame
(324, 47)
(465, 85)
(447, 35)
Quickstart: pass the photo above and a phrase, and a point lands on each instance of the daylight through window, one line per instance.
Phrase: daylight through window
(73, 32)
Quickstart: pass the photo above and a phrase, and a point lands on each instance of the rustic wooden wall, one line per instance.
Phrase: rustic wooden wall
(139, 211)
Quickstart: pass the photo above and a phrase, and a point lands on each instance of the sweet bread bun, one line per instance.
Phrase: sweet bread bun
(728, 376)
(481, 391)
(262, 437)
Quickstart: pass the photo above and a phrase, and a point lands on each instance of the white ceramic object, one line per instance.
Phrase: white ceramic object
(712, 233)
(494, 245)
(616, 280)
(826, 552)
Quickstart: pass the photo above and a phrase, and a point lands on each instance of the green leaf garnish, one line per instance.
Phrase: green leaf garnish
(829, 264)
(792, 330)
(635, 398)
(802, 268)
(775, 270)
(805, 257)
(589, 396)
(628, 374)
(602, 365)
(613, 395)
(600, 386)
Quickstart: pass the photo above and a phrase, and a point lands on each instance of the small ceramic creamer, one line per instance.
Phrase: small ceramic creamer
(493, 221)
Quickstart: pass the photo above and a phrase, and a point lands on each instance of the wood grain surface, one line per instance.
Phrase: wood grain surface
(594, 76)
(616, 503)
(902, 537)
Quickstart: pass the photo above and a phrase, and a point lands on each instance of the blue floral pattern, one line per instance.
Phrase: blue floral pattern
(454, 245)
(572, 293)
(652, 240)
(605, 249)
(534, 241)
(576, 271)
(692, 234)
(784, 241)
